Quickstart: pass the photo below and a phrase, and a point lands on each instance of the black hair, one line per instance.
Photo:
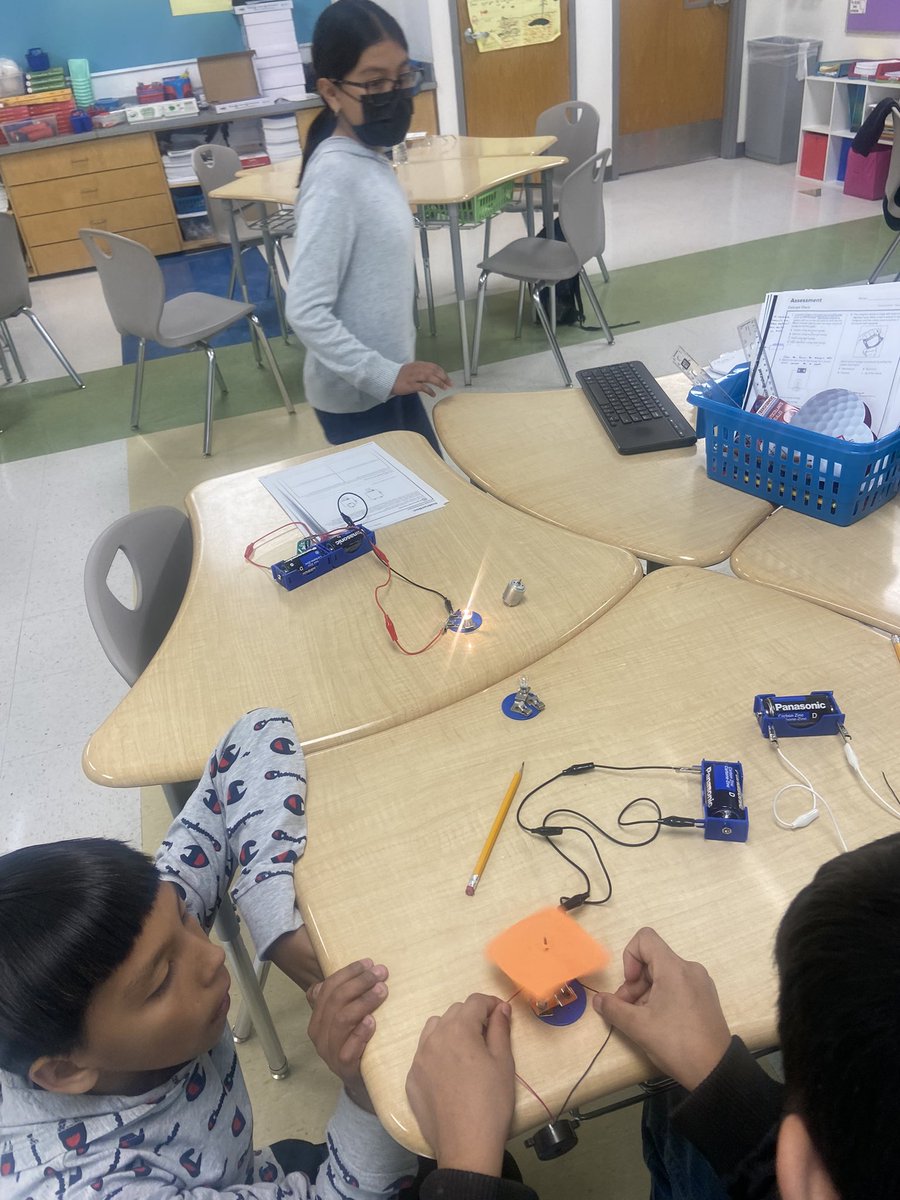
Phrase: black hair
(838, 955)
(343, 32)
(70, 913)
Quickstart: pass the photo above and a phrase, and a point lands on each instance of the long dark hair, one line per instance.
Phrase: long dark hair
(343, 32)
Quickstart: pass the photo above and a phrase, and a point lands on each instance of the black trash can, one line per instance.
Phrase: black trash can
(776, 70)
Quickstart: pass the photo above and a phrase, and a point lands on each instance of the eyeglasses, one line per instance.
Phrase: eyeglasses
(407, 82)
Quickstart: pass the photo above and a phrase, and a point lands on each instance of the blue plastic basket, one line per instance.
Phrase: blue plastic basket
(824, 477)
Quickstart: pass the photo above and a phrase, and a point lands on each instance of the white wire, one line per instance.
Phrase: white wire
(854, 764)
(817, 798)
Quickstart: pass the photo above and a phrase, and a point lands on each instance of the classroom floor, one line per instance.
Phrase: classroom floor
(692, 251)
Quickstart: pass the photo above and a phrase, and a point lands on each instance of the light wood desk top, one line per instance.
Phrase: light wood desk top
(854, 569)
(321, 651)
(546, 454)
(668, 676)
(453, 180)
(463, 146)
(275, 184)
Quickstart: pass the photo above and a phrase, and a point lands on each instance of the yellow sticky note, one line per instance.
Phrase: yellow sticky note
(186, 8)
(545, 951)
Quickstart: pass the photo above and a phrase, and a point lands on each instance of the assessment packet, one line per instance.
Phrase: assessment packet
(829, 360)
(365, 485)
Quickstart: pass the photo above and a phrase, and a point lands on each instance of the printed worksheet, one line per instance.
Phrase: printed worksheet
(830, 361)
(507, 24)
(364, 485)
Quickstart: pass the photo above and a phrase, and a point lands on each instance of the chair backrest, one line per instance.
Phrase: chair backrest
(214, 166)
(14, 291)
(159, 546)
(132, 282)
(892, 186)
(581, 208)
(576, 127)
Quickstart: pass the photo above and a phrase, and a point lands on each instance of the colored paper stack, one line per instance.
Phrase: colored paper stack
(268, 30)
(59, 104)
(80, 75)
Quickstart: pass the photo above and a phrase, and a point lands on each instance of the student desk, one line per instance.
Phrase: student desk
(547, 454)
(854, 570)
(321, 651)
(668, 676)
(430, 177)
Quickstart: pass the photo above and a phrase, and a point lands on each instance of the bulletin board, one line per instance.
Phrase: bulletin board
(873, 16)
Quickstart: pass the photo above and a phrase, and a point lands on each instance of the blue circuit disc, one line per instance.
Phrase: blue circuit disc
(506, 707)
(569, 1013)
(455, 624)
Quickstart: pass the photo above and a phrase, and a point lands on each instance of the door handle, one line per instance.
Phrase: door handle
(472, 37)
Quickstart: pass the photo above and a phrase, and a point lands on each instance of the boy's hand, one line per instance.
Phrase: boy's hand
(421, 377)
(670, 1008)
(342, 1022)
(293, 953)
(461, 1085)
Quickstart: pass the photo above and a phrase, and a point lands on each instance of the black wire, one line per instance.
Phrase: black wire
(547, 824)
(349, 521)
(580, 1079)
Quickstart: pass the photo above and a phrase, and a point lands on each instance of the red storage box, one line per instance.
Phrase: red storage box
(813, 150)
(867, 174)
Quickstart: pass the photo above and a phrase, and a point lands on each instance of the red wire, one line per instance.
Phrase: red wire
(388, 623)
(248, 550)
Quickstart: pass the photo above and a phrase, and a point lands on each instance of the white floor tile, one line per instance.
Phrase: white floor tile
(72, 310)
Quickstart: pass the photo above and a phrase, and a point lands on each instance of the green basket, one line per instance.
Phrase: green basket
(471, 212)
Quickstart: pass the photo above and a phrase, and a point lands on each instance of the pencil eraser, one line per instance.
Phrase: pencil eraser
(470, 891)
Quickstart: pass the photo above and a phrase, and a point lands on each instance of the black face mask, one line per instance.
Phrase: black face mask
(386, 119)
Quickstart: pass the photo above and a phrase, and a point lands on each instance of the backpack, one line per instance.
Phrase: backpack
(569, 308)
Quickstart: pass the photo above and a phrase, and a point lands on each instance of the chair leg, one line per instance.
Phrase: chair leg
(210, 397)
(13, 352)
(553, 308)
(595, 304)
(487, 238)
(520, 309)
(282, 258)
(429, 286)
(4, 365)
(232, 279)
(242, 1026)
(263, 342)
(138, 383)
(73, 374)
(257, 353)
(228, 932)
(220, 379)
(873, 278)
(551, 336)
(415, 297)
(603, 270)
(479, 318)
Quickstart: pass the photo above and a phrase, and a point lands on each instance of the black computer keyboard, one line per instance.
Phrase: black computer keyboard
(634, 410)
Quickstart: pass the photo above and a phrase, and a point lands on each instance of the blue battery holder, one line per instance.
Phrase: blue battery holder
(317, 558)
(815, 715)
(725, 817)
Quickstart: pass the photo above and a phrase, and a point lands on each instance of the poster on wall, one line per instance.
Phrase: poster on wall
(187, 8)
(508, 24)
(873, 16)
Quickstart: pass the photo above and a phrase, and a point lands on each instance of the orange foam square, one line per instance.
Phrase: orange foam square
(545, 951)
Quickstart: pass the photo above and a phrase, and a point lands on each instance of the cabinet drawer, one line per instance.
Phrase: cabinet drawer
(116, 217)
(79, 158)
(72, 256)
(100, 187)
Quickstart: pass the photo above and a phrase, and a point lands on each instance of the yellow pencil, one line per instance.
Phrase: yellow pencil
(495, 830)
(895, 642)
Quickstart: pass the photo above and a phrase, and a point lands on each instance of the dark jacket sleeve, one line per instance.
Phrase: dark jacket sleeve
(466, 1185)
(732, 1118)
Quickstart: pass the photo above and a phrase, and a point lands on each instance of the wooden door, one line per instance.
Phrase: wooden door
(506, 90)
(671, 82)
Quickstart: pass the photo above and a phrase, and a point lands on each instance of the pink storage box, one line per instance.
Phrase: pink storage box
(867, 174)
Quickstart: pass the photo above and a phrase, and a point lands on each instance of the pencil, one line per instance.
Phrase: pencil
(495, 830)
(895, 642)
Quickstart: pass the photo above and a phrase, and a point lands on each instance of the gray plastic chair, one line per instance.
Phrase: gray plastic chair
(543, 262)
(216, 165)
(15, 299)
(891, 193)
(134, 290)
(159, 547)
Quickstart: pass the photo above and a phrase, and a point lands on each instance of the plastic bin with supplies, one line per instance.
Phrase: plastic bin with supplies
(824, 477)
(776, 69)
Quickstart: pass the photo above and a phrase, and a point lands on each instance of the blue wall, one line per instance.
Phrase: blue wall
(125, 33)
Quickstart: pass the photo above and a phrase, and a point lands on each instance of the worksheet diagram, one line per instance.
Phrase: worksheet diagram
(365, 485)
(509, 24)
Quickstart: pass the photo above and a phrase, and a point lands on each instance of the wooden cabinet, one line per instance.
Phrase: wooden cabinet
(115, 184)
(424, 116)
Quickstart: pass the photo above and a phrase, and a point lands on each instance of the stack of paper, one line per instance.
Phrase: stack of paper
(829, 361)
(365, 485)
